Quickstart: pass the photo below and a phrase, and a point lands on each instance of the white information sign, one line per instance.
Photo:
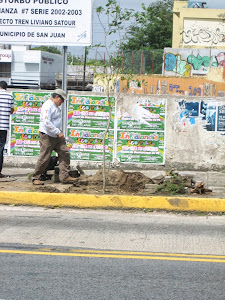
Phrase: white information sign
(51, 22)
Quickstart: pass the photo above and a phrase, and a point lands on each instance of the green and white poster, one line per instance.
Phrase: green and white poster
(24, 140)
(88, 144)
(25, 123)
(90, 112)
(87, 121)
(141, 133)
(140, 147)
(138, 136)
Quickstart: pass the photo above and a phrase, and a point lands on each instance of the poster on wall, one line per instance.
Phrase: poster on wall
(88, 144)
(87, 121)
(144, 116)
(24, 140)
(141, 133)
(90, 112)
(221, 118)
(210, 113)
(140, 147)
(208, 110)
(25, 123)
(27, 112)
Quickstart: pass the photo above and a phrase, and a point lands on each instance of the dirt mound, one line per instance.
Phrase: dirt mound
(116, 181)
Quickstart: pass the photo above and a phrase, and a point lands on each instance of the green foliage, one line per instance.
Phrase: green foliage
(154, 27)
(118, 22)
(77, 60)
(73, 60)
(172, 186)
(51, 49)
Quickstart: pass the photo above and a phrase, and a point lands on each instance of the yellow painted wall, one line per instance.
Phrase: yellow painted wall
(161, 85)
(103, 82)
(199, 18)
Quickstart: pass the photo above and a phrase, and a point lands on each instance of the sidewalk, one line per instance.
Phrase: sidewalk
(20, 191)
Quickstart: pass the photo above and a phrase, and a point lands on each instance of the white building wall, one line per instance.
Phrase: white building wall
(33, 68)
(25, 68)
(50, 64)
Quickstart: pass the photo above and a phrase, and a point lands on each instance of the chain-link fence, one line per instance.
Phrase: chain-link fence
(143, 62)
(135, 62)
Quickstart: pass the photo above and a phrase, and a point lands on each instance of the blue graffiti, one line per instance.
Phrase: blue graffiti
(195, 91)
(170, 61)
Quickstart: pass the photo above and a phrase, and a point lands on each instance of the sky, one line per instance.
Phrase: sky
(136, 4)
(130, 4)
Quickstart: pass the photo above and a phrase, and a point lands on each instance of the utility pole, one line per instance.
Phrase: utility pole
(64, 87)
(85, 59)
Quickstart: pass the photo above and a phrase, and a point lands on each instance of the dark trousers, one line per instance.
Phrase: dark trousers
(3, 136)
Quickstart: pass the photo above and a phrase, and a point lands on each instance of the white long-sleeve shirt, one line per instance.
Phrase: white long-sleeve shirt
(50, 119)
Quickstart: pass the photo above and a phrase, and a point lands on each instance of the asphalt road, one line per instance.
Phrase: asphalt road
(84, 254)
(30, 276)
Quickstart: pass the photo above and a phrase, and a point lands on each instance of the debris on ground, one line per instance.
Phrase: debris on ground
(174, 183)
(117, 182)
(136, 183)
(200, 189)
(48, 189)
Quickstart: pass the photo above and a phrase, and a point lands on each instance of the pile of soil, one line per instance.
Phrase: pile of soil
(117, 182)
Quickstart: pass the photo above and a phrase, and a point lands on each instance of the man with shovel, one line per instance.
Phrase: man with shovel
(51, 138)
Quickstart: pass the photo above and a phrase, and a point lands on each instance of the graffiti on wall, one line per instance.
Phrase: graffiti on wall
(187, 62)
(174, 63)
(203, 36)
(194, 4)
(204, 33)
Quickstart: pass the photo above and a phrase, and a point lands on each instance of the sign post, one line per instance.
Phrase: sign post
(64, 87)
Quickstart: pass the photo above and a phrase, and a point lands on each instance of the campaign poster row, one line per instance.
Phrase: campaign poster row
(128, 140)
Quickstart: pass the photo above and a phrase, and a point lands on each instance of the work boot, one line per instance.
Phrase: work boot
(37, 182)
(69, 179)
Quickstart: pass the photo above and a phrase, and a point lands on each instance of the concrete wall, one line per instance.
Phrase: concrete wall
(194, 132)
(197, 27)
(193, 140)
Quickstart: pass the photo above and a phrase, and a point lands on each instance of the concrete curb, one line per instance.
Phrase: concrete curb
(114, 201)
